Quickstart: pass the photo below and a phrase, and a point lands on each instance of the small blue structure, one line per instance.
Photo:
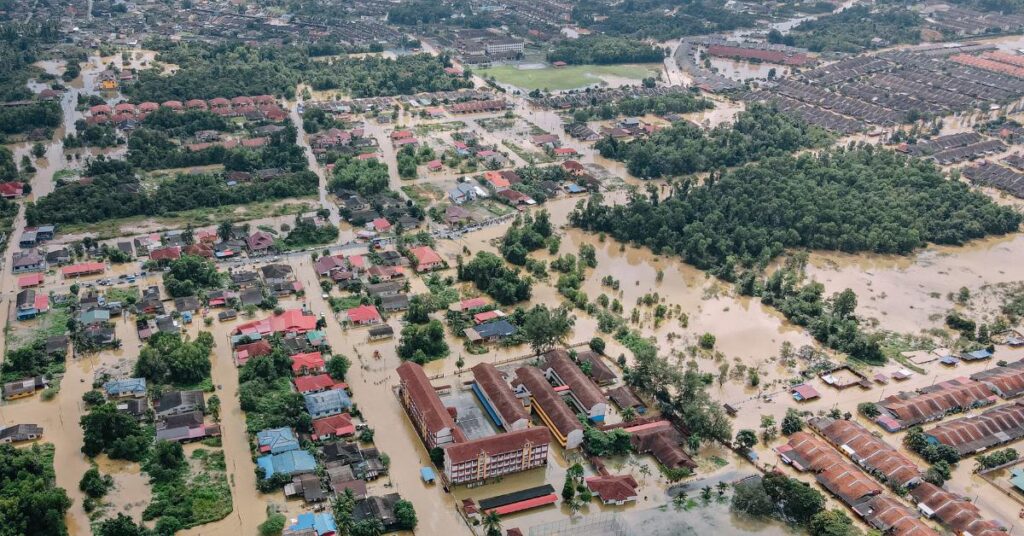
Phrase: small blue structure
(277, 440)
(322, 523)
(327, 403)
(293, 462)
(427, 474)
(186, 317)
(574, 188)
(949, 361)
(126, 387)
(1017, 479)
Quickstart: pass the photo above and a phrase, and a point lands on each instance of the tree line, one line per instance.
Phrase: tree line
(602, 49)
(759, 132)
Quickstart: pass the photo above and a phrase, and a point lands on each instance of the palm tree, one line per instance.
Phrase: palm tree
(679, 501)
(628, 414)
(705, 493)
(492, 523)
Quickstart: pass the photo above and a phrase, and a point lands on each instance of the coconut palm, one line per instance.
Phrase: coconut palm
(492, 523)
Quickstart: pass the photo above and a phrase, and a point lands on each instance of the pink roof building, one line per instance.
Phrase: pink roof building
(85, 268)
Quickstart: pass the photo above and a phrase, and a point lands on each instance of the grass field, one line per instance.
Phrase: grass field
(569, 77)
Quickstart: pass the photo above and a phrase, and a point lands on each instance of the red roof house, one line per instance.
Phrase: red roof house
(10, 190)
(170, 253)
(426, 259)
(316, 383)
(31, 280)
(333, 426)
(85, 268)
(364, 315)
(307, 363)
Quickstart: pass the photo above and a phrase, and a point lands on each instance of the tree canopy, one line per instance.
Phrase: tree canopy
(168, 359)
(603, 49)
(30, 503)
(759, 132)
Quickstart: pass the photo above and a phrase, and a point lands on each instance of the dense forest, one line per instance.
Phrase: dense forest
(20, 42)
(367, 177)
(603, 49)
(673, 103)
(375, 76)
(418, 12)
(659, 19)
(862, 199)
(855, 29)
(759, 132)
(150, 149)
(30, 503)
(224, 70)
(116, 192)
(20, 119)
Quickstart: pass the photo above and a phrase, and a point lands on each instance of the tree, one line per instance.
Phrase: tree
(868, 409)
(792, 422)
(749, 497)
(746, 438)
(118, 434)
(437, 456)
(337, 366)
(707, 341)
(225, 230)
(938, 473)
(545, 328)
(832, 523)
(168, 359)
(95, 485)
(419, 310)
(190, 274)
(213, 406)
(597, 344)
(32, 504)
(405, 515)
(93, 397)
(421, 344)
(797, 501)
(492, 523)
(768, 430)
(274, 525)
(121, 525)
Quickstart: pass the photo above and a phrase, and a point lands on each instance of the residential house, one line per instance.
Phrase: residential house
(321, 524)
(613, 489)
(24, 387)
(308, 363)
(391, 304)
(292, 462)
(27, 261)
(29, 304)
(276, 440)
(178, 402)
(128, 387)
(364, 315)
(259, 243)
(327, 403)
(187, 304)
(491, 331)
(316, 383)
(379, 508)
(334, 426)
(274, 274)
(463, 192)
(381, 332)
(19, 433)
(426, 259)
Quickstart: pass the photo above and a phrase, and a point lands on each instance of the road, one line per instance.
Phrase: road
(314, 166)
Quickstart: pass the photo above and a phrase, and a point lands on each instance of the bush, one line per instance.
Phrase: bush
(274, 525)
(597, 344)
(707, 341)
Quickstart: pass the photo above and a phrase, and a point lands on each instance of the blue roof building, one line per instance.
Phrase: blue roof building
(323, 524)
(293, 462)
(491, 331)
(327, 403)
(94, 316)
(277, 440)
(976, 355)
(126, 387)
(1017, 479)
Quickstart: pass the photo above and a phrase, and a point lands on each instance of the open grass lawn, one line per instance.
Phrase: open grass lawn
(568, 77)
